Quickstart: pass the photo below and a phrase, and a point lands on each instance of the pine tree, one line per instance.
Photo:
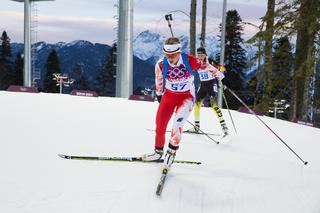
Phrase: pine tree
(317, 93)
(268, 37)
(235, 56)
(316, 97)
(18, 70)
(5, 63)
(81, 81)
(52, 66)
(106, 82)
(255, 84)
(282, 70)
(5, 47)
(307, 26)
(281, 77)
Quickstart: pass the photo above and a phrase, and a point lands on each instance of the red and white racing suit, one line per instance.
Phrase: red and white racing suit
(178, 96)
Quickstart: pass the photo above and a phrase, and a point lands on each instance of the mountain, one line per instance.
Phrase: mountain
(147, 49)
(148, 45)
(90, 55)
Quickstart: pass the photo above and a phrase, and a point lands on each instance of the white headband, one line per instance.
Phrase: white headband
(171, 48)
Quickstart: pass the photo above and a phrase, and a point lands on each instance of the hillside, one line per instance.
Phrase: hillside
(252, 173)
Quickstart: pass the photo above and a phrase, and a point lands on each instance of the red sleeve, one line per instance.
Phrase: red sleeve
(194, 62)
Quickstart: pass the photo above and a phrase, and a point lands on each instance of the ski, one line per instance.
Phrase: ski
(189, 131)
(162, 181)
(122, 159)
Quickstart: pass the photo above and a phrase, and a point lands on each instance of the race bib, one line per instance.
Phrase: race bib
(177, 86)
(205, 75)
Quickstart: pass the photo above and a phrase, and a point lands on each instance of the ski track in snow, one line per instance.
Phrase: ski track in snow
(252, 173)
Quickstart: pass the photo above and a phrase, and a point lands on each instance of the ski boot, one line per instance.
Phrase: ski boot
(197, 126)
(168, 159)
(225, 131)
(156, 156)
(226, 137)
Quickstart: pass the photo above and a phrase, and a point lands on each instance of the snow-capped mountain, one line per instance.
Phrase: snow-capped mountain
(147, 49)
(90, 55)
(148, 45)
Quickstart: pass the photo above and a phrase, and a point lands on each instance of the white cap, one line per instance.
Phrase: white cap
(171, 48)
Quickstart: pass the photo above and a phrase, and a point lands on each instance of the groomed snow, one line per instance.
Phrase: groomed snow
(253, 173)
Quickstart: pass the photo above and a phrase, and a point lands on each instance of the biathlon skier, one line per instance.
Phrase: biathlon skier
(175, 92)
(208, 86)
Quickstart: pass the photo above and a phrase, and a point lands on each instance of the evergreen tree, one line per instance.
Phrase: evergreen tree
(282, 73)
(317, 89)
(106, 82)
(235, 56)
(52, 66)
(18, 70)
(268, 38)
(282, 70)
(5, 52)
(316, 97)
(300, 18)
(5, 63)
(81, 81)
(307, 25)
(255, 84)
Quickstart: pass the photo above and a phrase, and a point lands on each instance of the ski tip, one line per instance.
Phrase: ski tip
(63, 156)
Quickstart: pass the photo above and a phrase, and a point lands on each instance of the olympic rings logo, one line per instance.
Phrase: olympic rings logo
(177, 72)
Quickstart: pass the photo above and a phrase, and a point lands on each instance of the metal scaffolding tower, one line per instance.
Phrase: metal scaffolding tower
(27, 77)
(35, 71)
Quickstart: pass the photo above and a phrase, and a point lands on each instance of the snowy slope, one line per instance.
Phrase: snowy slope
(253, 173)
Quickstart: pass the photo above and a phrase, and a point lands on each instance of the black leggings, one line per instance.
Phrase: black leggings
(206, 88)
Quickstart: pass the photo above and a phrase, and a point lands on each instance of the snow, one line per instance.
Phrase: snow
(60, 44)
(149, 44)
(40, 45)
(79, 43)
(253, 173)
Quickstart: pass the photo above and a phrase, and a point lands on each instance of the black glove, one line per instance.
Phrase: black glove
(159, 98)
(223, 82)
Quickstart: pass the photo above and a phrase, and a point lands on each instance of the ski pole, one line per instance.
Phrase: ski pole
(169, 18)
(252, 112)
(217, 142)
(225, 100)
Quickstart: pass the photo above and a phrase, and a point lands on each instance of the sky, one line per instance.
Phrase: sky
(253, 173)
(96, 20)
